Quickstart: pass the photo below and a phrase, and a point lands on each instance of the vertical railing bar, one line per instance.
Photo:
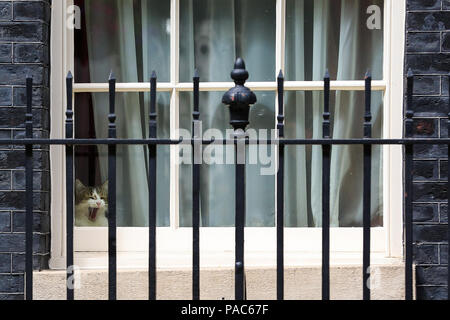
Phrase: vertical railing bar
(448, 199)
(112, 230)
(29, 193)
(326, 152)
(409, 189)
(195, 194)
(239, 224)
(69, 189)
(367, 188)
(153, 131)
(280, 191)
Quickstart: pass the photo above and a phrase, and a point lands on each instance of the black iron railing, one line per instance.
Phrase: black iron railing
(239, 98)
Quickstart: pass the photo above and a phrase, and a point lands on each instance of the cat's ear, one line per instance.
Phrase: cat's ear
(104, 186)
(79, 186)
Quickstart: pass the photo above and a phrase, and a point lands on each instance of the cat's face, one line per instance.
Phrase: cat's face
(92, 199)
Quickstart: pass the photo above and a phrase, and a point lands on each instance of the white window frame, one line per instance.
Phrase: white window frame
(386, 240)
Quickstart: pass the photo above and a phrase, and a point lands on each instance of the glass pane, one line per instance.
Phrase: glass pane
(217, 182)
(336, 34)
(303, 166)
(91, 162)
(214, 33)
(131, 37)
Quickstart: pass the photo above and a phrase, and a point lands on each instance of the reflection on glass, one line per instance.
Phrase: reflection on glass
(214, 33)
(91, 163)
(334, 34)
(217, 185)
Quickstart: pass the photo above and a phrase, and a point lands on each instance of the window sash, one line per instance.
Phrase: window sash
(175, 87)
(392, 85)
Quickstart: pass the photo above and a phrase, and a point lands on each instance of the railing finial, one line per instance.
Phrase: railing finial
(240, 97)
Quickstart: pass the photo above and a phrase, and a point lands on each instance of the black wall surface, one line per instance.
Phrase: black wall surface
(428, 55)
(24, 50)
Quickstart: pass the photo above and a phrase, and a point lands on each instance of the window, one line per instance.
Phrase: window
(300, 37)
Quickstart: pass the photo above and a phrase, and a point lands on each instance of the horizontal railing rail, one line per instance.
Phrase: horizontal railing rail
(239, 98)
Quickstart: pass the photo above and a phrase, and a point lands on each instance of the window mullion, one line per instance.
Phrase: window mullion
(174, 110)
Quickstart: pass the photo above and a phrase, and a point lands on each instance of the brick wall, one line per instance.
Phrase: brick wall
(24, 50)
(428, 55)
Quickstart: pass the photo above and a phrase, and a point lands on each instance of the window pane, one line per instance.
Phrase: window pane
(217, 181)
(131, 37)
(303, 166)
(214, 33)
(91, 162)
(336, 34)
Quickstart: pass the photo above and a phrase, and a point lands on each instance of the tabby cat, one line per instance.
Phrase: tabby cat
(91, 205)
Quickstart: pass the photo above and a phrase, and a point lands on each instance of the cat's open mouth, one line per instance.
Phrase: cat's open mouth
(93, 213)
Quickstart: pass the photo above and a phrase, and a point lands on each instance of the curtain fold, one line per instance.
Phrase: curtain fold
(341, 42)
(112, 46)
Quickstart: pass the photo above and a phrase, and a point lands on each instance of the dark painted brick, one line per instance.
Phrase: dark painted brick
(423, 42)
(5, 221)
(428, 63)
(426, 254)
(422, 151)
(432, 293)
(5, 11)
(12, 242)
(424, 4)
(14, 159)
(11, 297)
(15, 242)
(5, 52)
(427, 85)
(41, 180)
(425, 212)
(15, 200)
(425, 170)
(30, 53)
(5, 180)
(41, 97)
(37, 134)
(430, 106)
(425, 128)
(444, 253)
(428, 21)
(444, 128)
(430, 233)
(11, 283)
(24, 32)
(5, 96)
(15, 74)
(33, 10)
(432, 275)
(15, 118)
(18, 263)
(430, 191)
(5, 134)
(40, 222)
(5, 263)
(446, 41)
(443, 170)
(443, 213)
(445, 82)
